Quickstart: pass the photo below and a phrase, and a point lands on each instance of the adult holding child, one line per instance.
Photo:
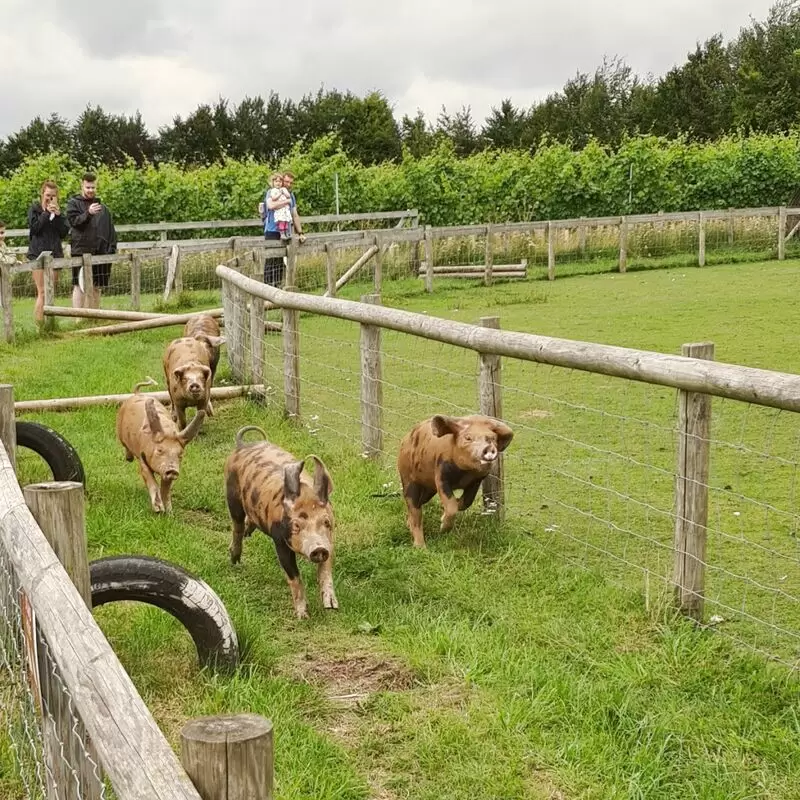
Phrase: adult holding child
(279, 197)
(93, 233)
(47, 228)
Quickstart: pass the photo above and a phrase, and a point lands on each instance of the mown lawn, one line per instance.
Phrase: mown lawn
(537, 658)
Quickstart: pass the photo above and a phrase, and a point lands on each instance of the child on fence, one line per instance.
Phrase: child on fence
(283, 215)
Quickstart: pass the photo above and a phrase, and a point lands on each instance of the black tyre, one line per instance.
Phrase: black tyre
(175, 590)
(60, 455)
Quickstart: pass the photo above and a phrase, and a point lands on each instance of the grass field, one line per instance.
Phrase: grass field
(533, 659)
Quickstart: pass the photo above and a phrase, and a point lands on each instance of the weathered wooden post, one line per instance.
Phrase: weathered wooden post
(691, 492)
(428, 259)
(489, 256)
(58, 508)
(782, 233)
(88, 278)
(229, 757)
(7, 301)
(330, 268)
(371, 385)
(136, 281)
(238, 322)
(701, 239)
(8, 424)
(551, 252)
(291, 360)
(291, 263)
(48, 280)
(731, 217)
(490, 401)
(623, 244)
(256, 340)
(378, 271)
(582, 238)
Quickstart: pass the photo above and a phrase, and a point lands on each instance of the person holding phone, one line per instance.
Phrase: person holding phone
(47, 228)
(92, 231)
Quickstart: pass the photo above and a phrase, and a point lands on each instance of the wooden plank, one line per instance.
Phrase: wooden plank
(371, 386)
(131, 748)
(691, 490)
(8, 302)
(291, 358)
(490, 403)
(229, 757)
(164, 321)
(69, 403)
(119, 314)
(478, 269)
(8, 425)
(352, 270)
(748, 384)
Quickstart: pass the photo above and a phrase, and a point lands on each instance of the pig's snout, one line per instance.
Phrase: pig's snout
(489, 454)
(317, 549)
(319, 555)
(171, 473)
(195, 388)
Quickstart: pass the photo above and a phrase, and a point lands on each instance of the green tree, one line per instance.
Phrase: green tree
(504, 128)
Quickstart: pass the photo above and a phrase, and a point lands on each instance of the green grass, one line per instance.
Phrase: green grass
(537, 658)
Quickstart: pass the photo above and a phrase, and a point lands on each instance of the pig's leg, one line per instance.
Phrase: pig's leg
(152, 486)
(288, 561)
(325, 582)
(416, 496)
(450, 503)
(237, 517)
(468, 498)
(208, 407)
(166, 494)
(249, 527)
(128, 454)
(180, 414)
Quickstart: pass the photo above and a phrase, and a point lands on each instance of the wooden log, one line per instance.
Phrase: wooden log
(371, 251)
(623, 244)
(428, 260)
(229, 757)
(136, 281)
(488, 258)
(58, 508)
(7, 301)
(476, 277)
(691, 489)
(477, 270)
(782, 234)
(8, 426)
(330, 269)
(371, 386)
(163, 321)
(291, 359)
(119, 314)
(133, 751)
(747, 384)
(490, 403)
(551, 252)
(71, 403)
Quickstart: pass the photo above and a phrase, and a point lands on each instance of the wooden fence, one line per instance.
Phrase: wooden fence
(696, 377)
(89, 719)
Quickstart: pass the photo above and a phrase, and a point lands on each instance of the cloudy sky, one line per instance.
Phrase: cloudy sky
(164, 58)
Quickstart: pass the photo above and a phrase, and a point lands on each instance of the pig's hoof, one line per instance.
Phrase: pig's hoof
(447, 524)
(235, 557)
(329, 601)
(301, 613)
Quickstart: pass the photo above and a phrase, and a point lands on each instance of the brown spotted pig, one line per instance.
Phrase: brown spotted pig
(148, 434)
(205, 327)
(442, 455)
(187, 368)
(267, 489)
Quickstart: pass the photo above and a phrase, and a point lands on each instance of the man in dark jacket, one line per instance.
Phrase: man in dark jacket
(92, 231)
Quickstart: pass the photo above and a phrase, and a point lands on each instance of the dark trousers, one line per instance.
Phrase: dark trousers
(274, 268)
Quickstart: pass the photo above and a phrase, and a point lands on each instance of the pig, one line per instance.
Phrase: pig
(147, 432)
(443, 454)
(204, 326)
(187, 368)
(267, 489)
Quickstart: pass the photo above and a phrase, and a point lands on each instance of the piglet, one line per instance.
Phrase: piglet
(187, 368)
(147, 432)
(266, 488)
(443, 454)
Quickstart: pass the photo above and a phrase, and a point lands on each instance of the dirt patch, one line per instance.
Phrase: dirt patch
(536, 413)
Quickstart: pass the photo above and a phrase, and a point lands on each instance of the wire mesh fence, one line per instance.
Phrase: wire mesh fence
(593, 469)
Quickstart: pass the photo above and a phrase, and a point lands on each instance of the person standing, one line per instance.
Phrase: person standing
(275, 267)
(47, 228)
(92, 231)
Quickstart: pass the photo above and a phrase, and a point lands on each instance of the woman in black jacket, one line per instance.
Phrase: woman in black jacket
(48, 227)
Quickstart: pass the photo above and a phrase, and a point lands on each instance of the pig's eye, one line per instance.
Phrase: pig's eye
(303, 515)
(327, 523)
(467, 437)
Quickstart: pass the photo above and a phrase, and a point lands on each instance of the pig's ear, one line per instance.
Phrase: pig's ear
(206, 371)
(152, 417)
(178, 373)
(193, 428)
(323, 485)
(442, 425)
(291, 480)
(504, 434)
(215, 341)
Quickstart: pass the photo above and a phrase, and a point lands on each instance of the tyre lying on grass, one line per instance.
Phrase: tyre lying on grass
(174, 590)
(61, 457)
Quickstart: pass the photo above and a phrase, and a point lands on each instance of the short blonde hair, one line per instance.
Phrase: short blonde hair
(275, 175)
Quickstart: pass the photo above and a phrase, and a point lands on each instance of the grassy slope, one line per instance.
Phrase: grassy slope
(493, 665)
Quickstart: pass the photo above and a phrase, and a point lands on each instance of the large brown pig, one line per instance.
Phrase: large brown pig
(267, 489)
(148, 433)
(187, 368)
(442, 455)
(205, 327)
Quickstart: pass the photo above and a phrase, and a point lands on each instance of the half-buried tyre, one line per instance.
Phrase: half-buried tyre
(175, 590)
(57, 452)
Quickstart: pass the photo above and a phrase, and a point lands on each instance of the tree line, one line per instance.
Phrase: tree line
(750, 84)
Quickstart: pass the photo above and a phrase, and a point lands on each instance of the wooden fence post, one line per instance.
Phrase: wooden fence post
(8, 302)
(582, 238)
(88, 278)
(48, 279)
(178, 283)
(623, 244)
(256, 340)
(731, 217)
(330, 268)
(691, 491)
(428, 259)
(229, 757)
(489, 256)
(371, 385)
(58, 508)
(291, 360)
(378, 272)
(782, 233)
(136, 281)
(227, 316)
(237, 322)
(551, 252)
(490, 401)
(291, 263)
(8, 424)
(701, 239)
